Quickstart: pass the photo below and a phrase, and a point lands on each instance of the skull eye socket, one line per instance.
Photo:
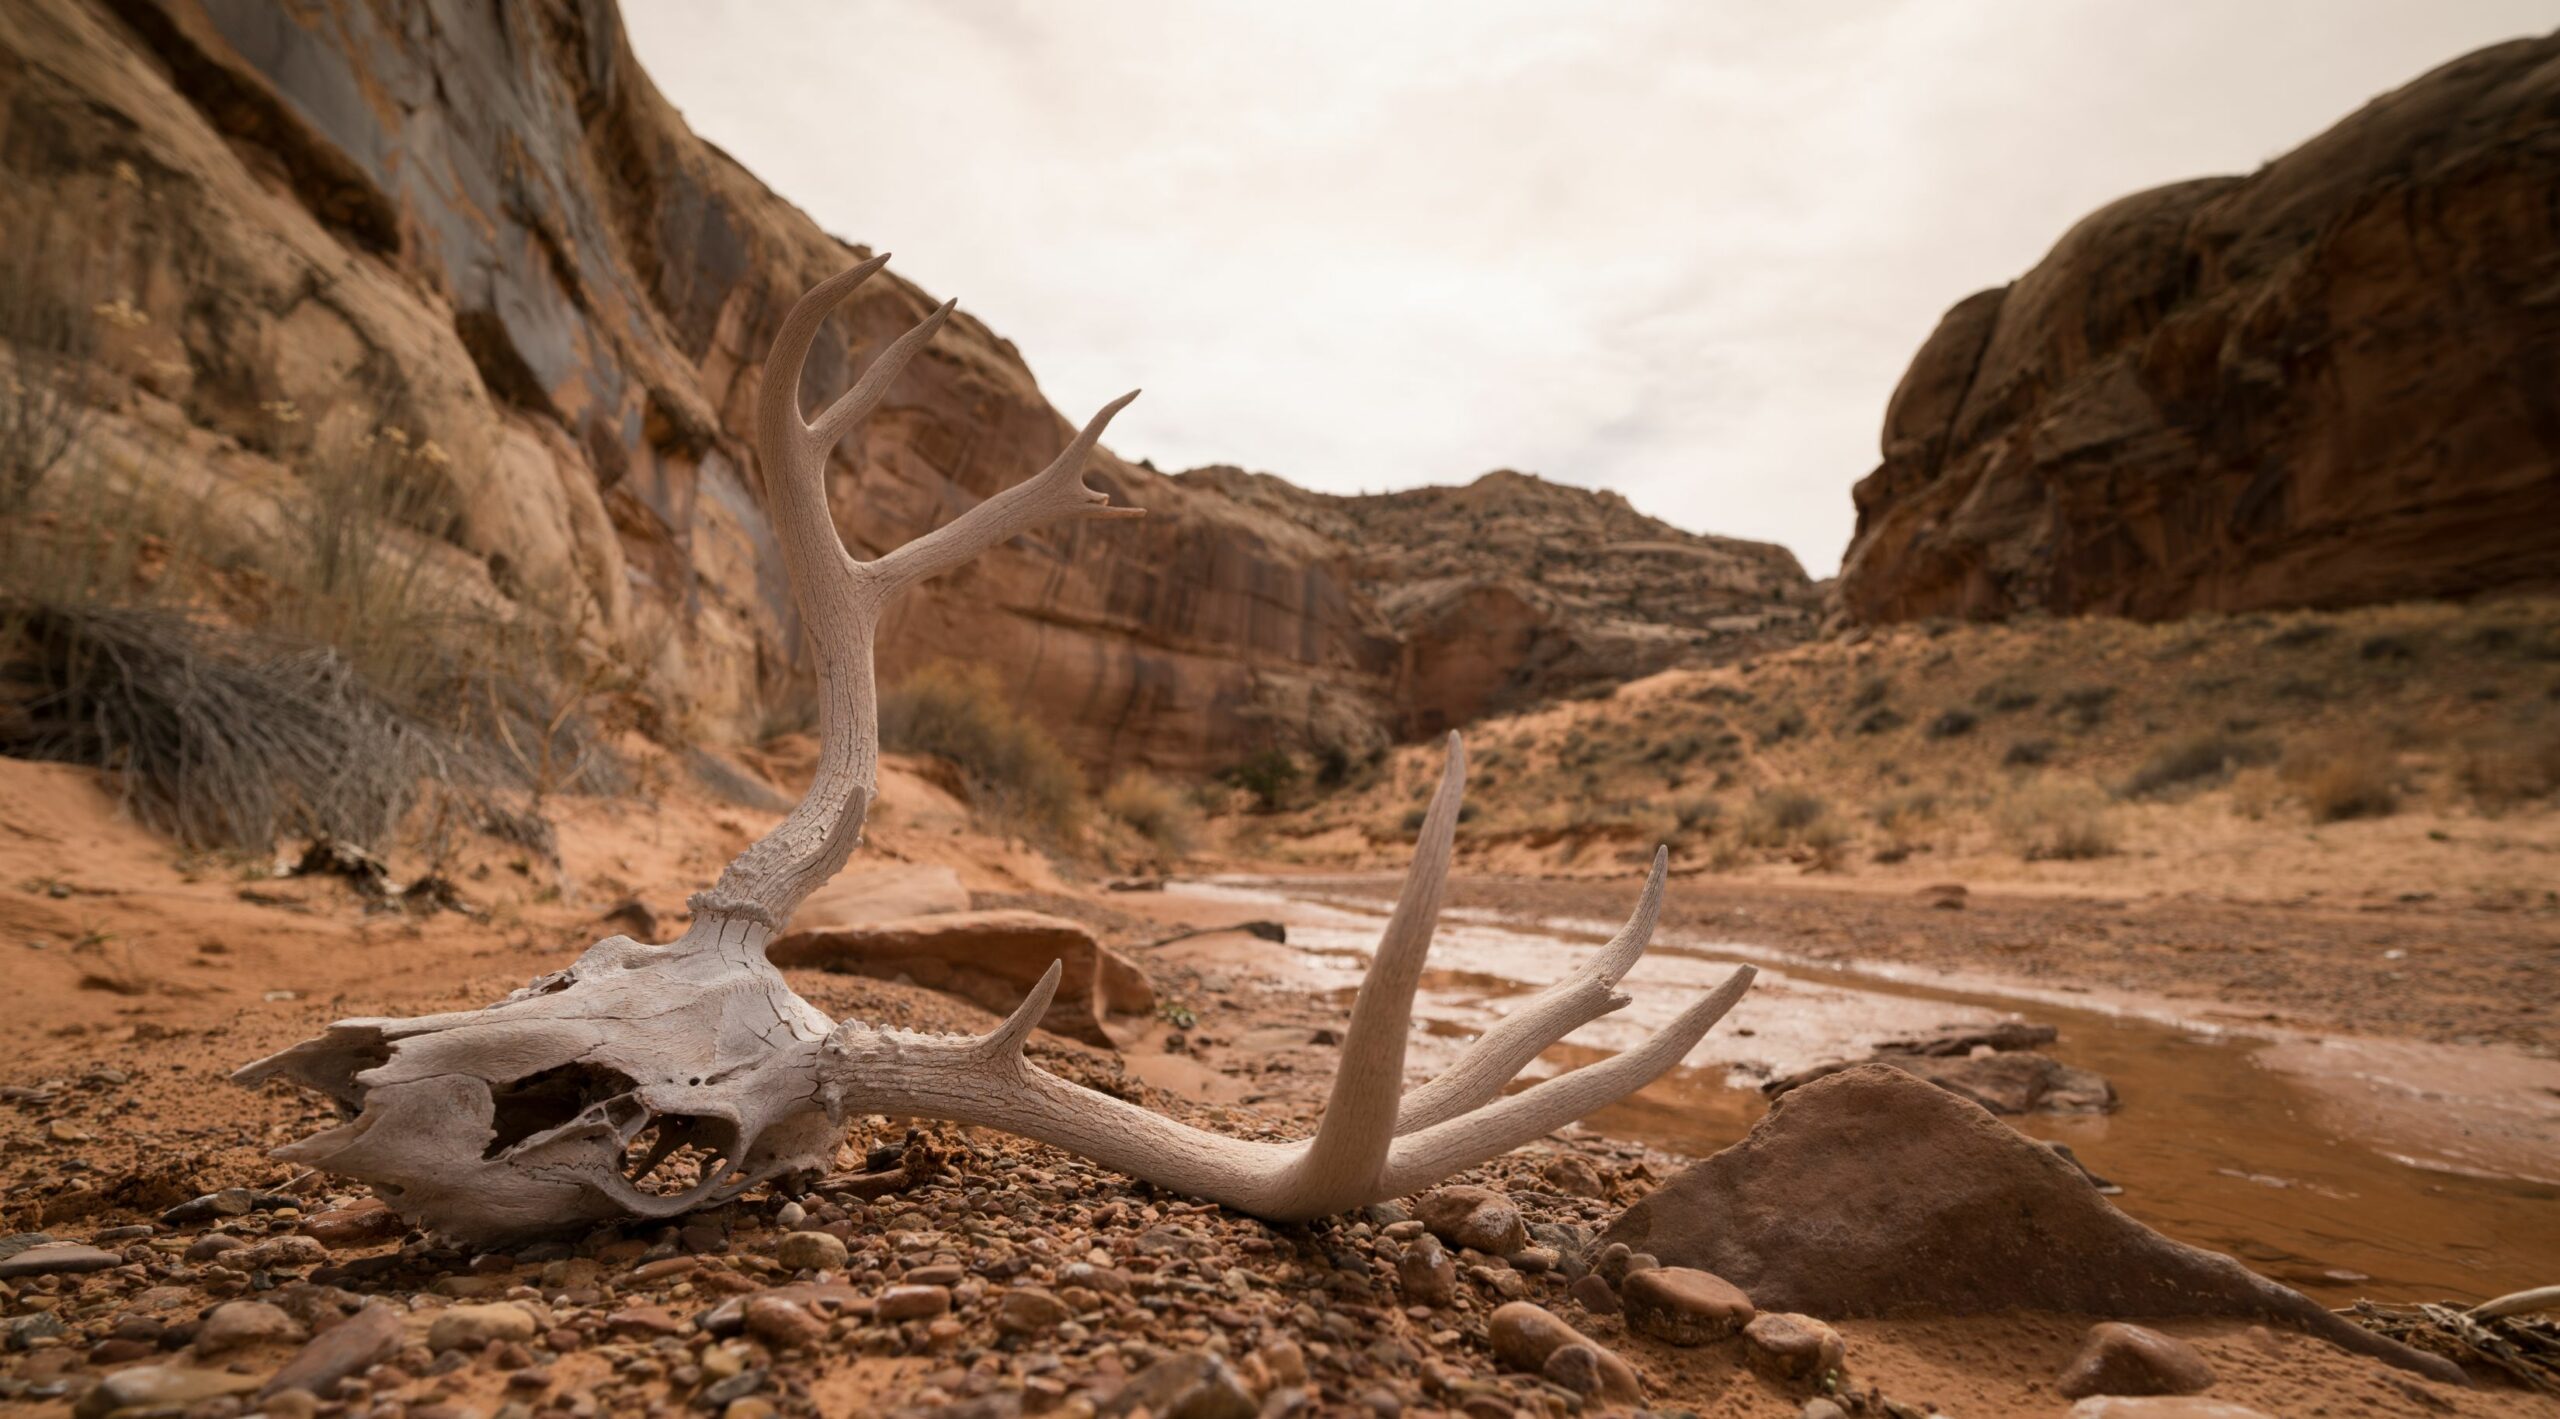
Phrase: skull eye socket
(678, 1153)
(540, 1102)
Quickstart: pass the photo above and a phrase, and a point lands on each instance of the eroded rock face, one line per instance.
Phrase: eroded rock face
(990, 957)
(1873, 1193)
(2327, 383)
(483, 226)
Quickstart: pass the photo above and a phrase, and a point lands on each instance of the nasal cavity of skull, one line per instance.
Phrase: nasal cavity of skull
(677, 1153)
(538, 1103)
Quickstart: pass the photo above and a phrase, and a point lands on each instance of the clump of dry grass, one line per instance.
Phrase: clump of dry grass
(2501, 773)
(1154, 810)
(2347, 777)
(2198, 759)
(960, 714)
(1781, 817)
(2057, 823)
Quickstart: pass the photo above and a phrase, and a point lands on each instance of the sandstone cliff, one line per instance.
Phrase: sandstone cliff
(1513, 589)
(2334, 381)
(481, 224)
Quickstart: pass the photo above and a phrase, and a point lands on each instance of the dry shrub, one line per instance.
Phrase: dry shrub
(2349, 777)
(2201, 758)
(959, 713)
(2055, 823)
(1779, 817)
(2505, 772)
(1154, 810)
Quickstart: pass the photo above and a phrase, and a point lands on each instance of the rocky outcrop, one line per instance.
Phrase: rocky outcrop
(993, 958)
(1513, 589)
(2334, 381)
(481, 227)
(1871, 1193)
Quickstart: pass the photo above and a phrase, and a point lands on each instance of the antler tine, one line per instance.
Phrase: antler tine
(1360, 1115)
(1503, 1050)
(1056, 492)
(1420, 1159)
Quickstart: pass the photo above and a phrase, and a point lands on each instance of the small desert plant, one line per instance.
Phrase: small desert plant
(1880, 720)
(1697, 814)
(2028, 754)
(2352, 777)
(1780, 816)
(960, 714)
(2083, 706)
(1786, 724)
(2058, 824)
(1268, 776)
(1155, 810)
(2201, 758)
(1952, 724)
(2498, 774)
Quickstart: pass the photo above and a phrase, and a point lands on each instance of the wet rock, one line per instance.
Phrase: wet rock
(811, 1251)
(1525, 1337)
(1872, 1192)
(1473, 1218)
(471, 1327)
(234, 1324)
(1683, 1305)
(783, 1325)
(1194, 1386)
(366, 1338)
(914, 1302)
(2122, 1359)
(1573, 1175)
(1789, 1346)
(159, 1387)
(57, 1258)
(2022, 1082)
(1029, 1310)
(2161, 1407)
(1425, 1274)
(354, 1225)
(1961, 1040)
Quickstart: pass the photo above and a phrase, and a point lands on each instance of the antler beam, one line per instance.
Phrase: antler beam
(645, 1080)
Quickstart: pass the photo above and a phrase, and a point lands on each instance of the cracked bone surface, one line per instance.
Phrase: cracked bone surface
(646, 1080)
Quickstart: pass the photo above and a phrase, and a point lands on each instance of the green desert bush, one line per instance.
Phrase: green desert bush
(959, 713)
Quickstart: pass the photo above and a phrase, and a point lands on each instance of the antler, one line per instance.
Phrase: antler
(841, 599)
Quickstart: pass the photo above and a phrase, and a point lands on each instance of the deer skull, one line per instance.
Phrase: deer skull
(646, 1080)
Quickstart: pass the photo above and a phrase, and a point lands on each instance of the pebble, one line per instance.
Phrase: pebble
(286, 1253)
(1573, 1175)
(790, 1216)
(1791, 1346)
(234, 1324)
(1525, 1336)
(1029, 1310)
(155, 1387)
(1594, 1295)
(211, 1245)
(230, 1202)
(1425, 1274)
(471, 1327)
(1473, 1218)
(1110, 1280)
(1819, 1408)
(2162, 1407)
(811, 1251)
(361, 1340)
(1193, 1386)
(56, 1258)
(1683, 1305)
(353, 1225)
(783, 1325)
(914, 1302)
(2121, 1359)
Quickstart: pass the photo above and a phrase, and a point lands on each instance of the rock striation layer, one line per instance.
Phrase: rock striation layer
(2334, 381)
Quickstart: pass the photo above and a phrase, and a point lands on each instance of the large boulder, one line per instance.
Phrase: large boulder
(2326, 383)
(866, 895)
(992, 958)
(1873, 1193)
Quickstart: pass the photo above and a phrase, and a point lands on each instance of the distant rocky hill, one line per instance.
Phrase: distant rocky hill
(1513, 589)
(2334, 381)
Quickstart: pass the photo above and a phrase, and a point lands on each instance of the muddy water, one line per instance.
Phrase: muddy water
(2210, 1145)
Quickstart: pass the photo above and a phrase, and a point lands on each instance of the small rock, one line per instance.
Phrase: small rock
(290, 1252)
(352, 1345)
(1791, 1346)
(471, 1327)
(1819, 1408)
(1110, 1280)
(1029, 1310)
(1573, 1175)
(1426, 1274)
(2164, 1407)
(811, 1251)
(914, 1302)
(789, 1216)
(1193, 1386)
(22, 1332)
(1537, 1261)
(1683, 1305)
(230, 1202)
(2121, 1359)
(647, 1323)
(783, 1325)
(1473, 1218)
(160, 1387)
(1594, 1295)
(1525, 1336)
(732, 1389)
(1578, 1367)
(234, 1324)
(1286, 1361)
(211, 1245)
(57, 1258)
(353, 1225)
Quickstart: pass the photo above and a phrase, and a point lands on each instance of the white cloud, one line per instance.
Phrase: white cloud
(1683, 250)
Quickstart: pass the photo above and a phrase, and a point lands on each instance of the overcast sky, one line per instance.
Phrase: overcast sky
(1682, 250)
